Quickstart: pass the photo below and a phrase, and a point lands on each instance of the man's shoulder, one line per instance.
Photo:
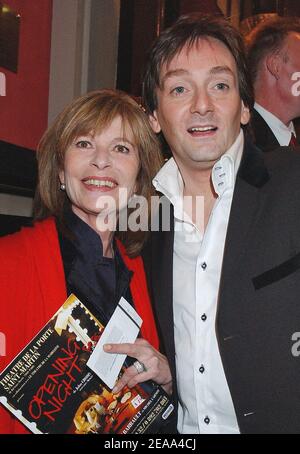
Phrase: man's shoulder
(283, 159)
(278, 159)
(283, 167)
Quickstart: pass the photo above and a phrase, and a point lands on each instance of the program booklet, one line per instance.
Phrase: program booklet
(50, 389)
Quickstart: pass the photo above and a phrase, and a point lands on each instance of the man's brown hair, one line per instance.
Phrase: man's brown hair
(188, 30)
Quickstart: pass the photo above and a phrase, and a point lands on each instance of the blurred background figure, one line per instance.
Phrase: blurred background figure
(274, 59)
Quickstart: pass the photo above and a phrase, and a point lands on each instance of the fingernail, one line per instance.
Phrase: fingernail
(106, 347)
(115, 390)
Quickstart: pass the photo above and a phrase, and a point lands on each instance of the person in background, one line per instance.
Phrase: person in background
(274, 60)
(99, 145)
(224, 278)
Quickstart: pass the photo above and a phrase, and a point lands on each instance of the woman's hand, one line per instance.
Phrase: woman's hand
(155, 364)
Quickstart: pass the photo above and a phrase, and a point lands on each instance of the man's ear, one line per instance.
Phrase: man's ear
(245, 114)
(154, 122)
(273, 62)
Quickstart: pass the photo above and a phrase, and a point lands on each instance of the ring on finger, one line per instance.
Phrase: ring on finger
(140, 367)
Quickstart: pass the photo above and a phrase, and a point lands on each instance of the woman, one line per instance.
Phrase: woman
(97, 155)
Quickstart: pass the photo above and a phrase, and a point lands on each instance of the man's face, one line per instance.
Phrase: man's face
(290, 64)
(199, 107)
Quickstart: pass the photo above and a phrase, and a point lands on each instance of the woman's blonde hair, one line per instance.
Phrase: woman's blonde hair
(94, 112)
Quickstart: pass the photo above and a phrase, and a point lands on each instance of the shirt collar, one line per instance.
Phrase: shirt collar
(225, 170)
(279, 129)
(169, 181)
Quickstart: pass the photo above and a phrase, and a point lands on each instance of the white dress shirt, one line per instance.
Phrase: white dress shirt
(282, 132)
(205, 403)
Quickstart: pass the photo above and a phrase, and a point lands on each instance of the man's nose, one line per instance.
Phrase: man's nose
(201, 102)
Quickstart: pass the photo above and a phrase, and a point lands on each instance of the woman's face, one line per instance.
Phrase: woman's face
(96, 167)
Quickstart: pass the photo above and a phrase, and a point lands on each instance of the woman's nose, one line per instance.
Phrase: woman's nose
(101, 157)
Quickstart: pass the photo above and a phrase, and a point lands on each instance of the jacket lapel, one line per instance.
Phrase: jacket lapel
(246, 206)
(158, 260)
(48, 268)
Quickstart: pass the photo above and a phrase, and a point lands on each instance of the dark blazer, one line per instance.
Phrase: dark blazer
(259, 298)
(261, 134)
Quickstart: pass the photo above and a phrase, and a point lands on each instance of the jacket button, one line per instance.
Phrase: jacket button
(201, 369)
(206, 420)
(203, 265)
(203, 317)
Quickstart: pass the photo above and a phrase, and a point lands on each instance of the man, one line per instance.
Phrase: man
(225, 285)
(274, 61)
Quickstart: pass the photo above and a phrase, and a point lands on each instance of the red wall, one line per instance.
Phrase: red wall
(24, 109)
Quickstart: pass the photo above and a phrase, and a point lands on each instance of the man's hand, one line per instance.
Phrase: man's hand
(155, 364)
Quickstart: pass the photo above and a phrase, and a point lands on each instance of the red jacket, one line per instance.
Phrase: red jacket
(32, 288)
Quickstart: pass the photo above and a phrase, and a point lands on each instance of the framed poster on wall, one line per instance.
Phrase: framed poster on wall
(9, 38)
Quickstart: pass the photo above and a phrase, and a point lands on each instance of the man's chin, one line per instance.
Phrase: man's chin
(207, 156)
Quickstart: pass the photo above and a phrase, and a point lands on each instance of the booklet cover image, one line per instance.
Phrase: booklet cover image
(50, 389)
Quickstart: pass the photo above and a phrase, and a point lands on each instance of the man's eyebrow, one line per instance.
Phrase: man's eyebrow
(221, 69)
(173, 73)
(183, 72)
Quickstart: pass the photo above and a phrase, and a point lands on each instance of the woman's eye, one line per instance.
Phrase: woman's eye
(122, 149)
(83, 144)
(178, 90)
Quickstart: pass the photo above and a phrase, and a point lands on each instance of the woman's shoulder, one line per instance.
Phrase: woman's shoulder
(31, 236)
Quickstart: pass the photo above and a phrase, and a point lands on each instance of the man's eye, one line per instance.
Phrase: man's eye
(122, 149)
(222, 86)
(83, 144)
(178, 90)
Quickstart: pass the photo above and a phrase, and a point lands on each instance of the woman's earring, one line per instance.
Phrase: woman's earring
(62, 186)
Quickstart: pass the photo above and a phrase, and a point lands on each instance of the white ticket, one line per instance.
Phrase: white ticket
(123, 327)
